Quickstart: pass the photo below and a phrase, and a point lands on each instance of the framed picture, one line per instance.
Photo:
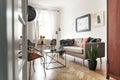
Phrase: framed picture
(83, 23)
(97, 19)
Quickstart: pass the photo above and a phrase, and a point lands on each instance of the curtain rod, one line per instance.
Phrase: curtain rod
(42, 8)
(45, 7)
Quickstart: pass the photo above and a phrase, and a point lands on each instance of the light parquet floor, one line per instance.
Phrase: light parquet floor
(73, 71)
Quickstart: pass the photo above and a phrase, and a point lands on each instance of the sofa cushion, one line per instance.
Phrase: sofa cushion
(94, 39)
(67, 42)
(63, 42)
(98, 40)
(73, 49)
(85, 40)
(70, 42)
(77, 41)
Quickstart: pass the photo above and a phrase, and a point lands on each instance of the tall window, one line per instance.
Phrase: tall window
(47, 21)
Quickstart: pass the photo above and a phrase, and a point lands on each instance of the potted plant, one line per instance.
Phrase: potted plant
(92, 55)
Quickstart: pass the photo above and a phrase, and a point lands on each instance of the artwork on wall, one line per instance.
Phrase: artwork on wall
(97, 19)
(83, 23)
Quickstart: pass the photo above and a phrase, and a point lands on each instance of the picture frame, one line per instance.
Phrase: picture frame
(83, 23)
(98, 19)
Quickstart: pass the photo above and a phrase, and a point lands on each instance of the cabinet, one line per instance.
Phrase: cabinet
(113, 56)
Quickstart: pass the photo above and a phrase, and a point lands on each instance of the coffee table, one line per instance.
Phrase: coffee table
(51, 54)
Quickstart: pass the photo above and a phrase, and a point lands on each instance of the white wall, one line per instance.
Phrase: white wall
(79, 8)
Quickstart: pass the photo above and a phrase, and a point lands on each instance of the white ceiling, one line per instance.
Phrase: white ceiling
(49, 3)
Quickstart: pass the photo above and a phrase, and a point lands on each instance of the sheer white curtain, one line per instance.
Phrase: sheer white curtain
(37, 28)
(33, 29)
(47, 23)
(44, 24)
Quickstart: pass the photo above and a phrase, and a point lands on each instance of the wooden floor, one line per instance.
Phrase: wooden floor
(73, 71)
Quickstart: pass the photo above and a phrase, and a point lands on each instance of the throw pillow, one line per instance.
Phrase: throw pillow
(77, 41)
(93, 40)
(63, 42)
(70, 42)
(90, 38)
(98, 40)
(85, 40)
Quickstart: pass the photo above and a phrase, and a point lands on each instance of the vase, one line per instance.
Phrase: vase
(42, 42)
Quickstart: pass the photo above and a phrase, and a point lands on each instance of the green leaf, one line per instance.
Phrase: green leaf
(92, 53)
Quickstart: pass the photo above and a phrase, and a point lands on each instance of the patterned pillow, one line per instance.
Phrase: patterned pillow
(98, 40)
(63, 42)
(67, 42)
(95, 39)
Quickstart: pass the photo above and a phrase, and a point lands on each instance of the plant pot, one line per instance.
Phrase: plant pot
(92, 64)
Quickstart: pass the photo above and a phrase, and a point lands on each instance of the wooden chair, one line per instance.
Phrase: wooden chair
(33, 54)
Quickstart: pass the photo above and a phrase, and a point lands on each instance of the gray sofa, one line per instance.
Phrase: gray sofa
(76, 51)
